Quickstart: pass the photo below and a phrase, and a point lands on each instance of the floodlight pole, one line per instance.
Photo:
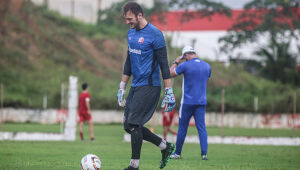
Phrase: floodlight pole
(2, 91)
(46, 3)
(99, 5)
(255, 102)
(62, 107)
(45, 101)
(62, 97)
(73, 8)
(2, 117)
(294, 112)
(222, 110)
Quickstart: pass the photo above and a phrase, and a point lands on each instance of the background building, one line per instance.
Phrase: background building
(202, 34)
(84, 10)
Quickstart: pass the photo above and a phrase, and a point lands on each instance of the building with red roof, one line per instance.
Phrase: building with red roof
(203, 34)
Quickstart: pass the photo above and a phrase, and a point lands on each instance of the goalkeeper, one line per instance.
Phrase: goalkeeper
(146, 56)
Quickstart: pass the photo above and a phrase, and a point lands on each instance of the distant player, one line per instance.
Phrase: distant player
(195, 76)
(84, 112)
(167, 122)
(146, 57)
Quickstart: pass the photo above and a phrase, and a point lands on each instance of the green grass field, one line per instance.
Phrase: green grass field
(115, 154)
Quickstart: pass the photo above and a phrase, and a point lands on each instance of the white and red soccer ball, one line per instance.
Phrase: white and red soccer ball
(90, 162)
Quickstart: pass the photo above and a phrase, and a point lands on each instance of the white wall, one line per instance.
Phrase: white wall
(208, 47)
(84, 10)
(245, 120)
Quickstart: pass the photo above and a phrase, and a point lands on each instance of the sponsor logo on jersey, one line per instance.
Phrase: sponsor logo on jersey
(141, 40)
(135, 51)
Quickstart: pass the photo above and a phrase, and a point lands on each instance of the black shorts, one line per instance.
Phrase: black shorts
(141, 103)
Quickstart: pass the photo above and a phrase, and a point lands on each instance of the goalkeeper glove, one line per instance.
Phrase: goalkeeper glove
(121, 94)
(169, 101)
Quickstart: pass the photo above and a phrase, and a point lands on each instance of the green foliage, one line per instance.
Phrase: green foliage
(111, 20)
(280, 64)
(241, 88)
(70, 23)
(278, 18)
(205, 8)
(278, 21)
(42, 51)
(197, 9)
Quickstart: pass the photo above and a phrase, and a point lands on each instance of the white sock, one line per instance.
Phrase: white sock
(134, 163)
(163, 144)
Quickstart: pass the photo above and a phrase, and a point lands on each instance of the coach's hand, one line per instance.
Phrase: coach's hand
(169, 100)
(121, 94)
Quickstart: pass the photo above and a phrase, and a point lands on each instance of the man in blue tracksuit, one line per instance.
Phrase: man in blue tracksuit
(193, 103)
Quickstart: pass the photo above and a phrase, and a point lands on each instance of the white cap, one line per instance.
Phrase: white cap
(187, 49)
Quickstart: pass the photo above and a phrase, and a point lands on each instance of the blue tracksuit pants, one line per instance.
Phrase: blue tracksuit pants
(185, 113)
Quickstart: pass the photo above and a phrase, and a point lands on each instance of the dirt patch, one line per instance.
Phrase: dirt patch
(15, 5)
(93, 51)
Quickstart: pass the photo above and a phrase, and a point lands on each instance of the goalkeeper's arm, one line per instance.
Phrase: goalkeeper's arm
(162, 59)
(126, 71)
(124, 81)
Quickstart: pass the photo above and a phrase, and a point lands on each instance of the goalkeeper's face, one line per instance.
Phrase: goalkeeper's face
(132, 20)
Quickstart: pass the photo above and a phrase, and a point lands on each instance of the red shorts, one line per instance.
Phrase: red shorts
(84, 117)
(166, 122)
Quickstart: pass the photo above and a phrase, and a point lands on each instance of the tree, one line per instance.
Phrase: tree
(279, 63)
(278, 18)
(279, 21)
(201, 8)
(112, 17)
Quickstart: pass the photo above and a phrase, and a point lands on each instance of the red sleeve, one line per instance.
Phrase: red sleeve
(87, 95)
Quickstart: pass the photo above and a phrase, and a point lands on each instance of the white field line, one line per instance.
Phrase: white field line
(239, 140)
(35, 136)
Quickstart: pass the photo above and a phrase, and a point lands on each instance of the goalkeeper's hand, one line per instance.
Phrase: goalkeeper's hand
(121, 94)
(169, 101)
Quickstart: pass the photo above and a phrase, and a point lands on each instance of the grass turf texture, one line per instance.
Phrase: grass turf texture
(115, 154)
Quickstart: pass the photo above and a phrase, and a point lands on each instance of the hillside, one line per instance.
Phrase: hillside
(39, 49)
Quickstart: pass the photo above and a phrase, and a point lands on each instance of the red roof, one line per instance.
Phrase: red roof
(174, 23)
(216, 22)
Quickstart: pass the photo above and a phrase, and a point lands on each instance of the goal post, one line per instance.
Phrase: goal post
(70, 127)
(69, 133)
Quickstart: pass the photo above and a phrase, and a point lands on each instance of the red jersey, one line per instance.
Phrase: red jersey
(83, 97)
(170, 115)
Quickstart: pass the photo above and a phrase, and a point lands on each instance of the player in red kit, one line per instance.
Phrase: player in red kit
(167, 122)
(84, 112)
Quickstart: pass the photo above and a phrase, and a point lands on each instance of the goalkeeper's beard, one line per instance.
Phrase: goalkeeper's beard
(135, 25)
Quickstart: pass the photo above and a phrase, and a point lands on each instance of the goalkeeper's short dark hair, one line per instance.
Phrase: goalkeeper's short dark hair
(84, 86)
(134, 7)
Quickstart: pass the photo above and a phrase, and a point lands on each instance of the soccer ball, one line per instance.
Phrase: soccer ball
(90, 162)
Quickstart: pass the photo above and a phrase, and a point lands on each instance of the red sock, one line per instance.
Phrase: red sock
(81, 136)
(92, 138)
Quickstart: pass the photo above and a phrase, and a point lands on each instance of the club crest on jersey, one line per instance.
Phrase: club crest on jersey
(129, 38)
(141, 40)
